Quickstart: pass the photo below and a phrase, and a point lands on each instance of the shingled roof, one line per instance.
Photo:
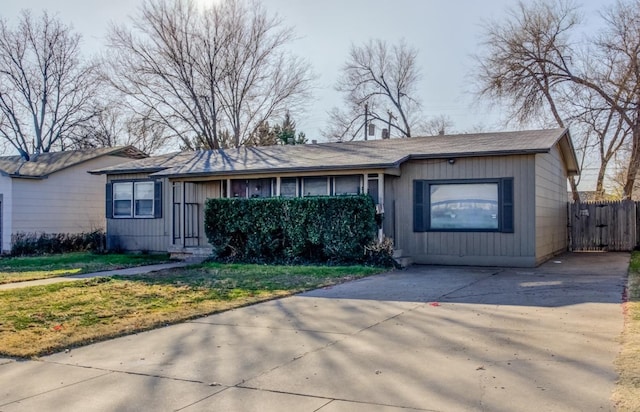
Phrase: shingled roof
(373, 154)
(44, 164)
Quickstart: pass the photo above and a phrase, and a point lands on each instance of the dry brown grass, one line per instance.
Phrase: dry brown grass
(627, 393)
(44, 319)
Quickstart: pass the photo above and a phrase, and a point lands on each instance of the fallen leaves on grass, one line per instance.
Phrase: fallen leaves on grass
(627, 392)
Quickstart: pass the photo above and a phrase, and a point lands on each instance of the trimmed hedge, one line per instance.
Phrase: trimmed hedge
(291, 230)
(24, 244)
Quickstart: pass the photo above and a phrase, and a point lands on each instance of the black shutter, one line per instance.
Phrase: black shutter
(418, 206)
(109, 201)
(157, 199)
(507, 205)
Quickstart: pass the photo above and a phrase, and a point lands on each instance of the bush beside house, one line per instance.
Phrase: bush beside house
(291, 230)
(23, 244)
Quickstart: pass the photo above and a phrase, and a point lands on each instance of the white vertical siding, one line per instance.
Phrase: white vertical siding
(474, 248)
(551, 205)
(68, 201)
(6, 189)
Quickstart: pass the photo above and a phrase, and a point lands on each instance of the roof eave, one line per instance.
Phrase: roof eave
(568, 153)
(278, 170)
(30, 177)
(459, 155)
(126, 171)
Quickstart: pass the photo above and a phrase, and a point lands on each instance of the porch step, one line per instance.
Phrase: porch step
(188, 253)
(401, 259)
(404, 261)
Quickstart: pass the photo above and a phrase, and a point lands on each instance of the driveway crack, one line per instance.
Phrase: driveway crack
(497, 272)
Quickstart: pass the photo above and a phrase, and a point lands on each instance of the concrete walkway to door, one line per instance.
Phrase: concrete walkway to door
(427, 338)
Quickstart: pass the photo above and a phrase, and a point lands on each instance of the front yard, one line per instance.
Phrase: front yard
(19, 269)
(627, 393)
(44, 319)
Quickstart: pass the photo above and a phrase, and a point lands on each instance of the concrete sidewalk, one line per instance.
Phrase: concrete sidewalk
(424, 339)
(137, 270)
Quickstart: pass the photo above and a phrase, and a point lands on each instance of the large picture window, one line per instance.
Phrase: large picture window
(469, 205)
(134, 199)
(463, 206)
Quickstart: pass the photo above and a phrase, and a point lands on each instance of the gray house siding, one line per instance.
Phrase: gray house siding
(493, 199)
(469, 248)
(390, 221)
(152, 235)
(551, 205)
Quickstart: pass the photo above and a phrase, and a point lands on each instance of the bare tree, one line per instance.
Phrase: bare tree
(206, 74)
(522, 54)
(379, 83)
(530, 63)
(115, 125)
(604, 131)
(46, 90)
(617, 78)
(437, 125)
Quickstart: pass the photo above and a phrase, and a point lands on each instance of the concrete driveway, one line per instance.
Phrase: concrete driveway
(426, 338)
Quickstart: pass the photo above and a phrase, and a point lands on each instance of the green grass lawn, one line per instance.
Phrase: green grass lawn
(18, 269)
(627, 393)
(44, 319)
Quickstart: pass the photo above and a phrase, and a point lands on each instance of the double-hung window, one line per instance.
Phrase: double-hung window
(134, 199)
(143, 199)
(122, 199)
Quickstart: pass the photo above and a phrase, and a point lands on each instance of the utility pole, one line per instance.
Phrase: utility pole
(391, 116)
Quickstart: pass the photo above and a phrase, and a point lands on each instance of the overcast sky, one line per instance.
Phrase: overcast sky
(446, 33)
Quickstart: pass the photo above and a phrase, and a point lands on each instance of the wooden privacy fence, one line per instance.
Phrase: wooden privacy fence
(604, 226)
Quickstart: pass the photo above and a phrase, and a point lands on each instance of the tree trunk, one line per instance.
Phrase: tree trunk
(600, 181)
(574, 189)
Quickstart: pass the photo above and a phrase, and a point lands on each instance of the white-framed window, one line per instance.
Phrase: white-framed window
(246, 188)
(289, 187)
(122, 199)
(346, 185)
(315, 186)
(143, 199)
(134, 199)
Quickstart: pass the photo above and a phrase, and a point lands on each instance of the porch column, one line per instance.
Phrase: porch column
(182, 212)
(278, 179)
(228, 188)
(365, 184)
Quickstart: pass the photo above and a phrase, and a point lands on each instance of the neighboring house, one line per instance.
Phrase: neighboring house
(478, 199)
(53, 193)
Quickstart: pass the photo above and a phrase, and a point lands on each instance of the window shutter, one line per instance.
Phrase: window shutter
(157, 199)
(109, 201)
(507, 205)
(418, 206)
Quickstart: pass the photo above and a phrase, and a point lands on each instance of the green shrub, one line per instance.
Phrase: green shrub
(291, 230)
(23, 244)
